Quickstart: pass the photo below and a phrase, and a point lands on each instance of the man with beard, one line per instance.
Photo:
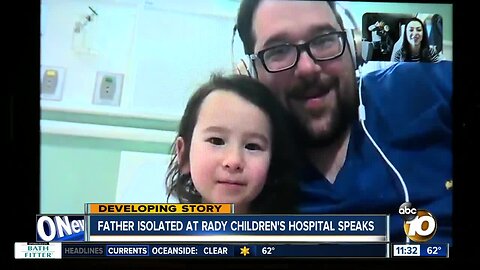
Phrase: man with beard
(300, 50)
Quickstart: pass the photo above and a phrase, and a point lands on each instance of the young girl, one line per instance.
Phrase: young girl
(233, 146)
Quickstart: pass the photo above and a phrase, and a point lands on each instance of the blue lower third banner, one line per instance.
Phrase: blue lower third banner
(358, 250)
(237, 228)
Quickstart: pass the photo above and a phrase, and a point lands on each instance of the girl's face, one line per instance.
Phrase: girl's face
(230, 150)
(414, 33)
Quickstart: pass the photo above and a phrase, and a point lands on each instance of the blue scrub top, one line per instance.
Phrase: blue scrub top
(408, 114)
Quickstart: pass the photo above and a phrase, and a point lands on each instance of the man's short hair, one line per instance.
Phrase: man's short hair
(245, 22)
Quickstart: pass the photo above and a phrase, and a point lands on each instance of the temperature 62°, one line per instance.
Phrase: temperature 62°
(433, 250)
(268, 250)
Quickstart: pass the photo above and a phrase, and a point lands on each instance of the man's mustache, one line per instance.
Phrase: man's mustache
(305, 89)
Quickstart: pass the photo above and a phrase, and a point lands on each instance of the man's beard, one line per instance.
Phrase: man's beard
(342, 119)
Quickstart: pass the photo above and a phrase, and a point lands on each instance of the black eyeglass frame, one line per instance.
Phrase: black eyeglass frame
(300, 48)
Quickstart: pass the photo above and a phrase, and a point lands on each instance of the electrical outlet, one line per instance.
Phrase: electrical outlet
(52, 82)
(108, 88)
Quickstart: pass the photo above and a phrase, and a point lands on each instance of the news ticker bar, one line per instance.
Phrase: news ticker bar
(115, 250)
(325, 250)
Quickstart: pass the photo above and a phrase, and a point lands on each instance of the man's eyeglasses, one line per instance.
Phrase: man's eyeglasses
(285, 56)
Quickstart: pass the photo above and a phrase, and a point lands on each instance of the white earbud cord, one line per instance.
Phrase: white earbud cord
(362, 117)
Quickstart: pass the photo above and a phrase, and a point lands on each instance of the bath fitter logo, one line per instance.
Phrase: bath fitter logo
(24, 250)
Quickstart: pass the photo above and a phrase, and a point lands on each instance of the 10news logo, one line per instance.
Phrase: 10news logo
(419, 225)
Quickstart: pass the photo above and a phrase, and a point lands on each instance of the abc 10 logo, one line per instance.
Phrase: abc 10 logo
(419, 225)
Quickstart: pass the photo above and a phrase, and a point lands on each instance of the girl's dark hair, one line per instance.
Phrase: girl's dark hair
(245, 22)
(279, 194)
